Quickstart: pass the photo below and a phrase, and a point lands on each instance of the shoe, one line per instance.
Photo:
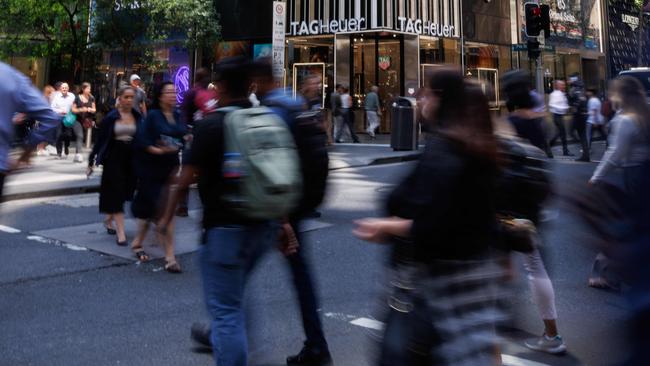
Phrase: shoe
(309, 357)
(201, 334)
(583, 159)
(42, 153)
(78, 158)
(553, 345)
(121, 243)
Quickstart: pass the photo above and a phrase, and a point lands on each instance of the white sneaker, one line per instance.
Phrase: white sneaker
(553, 345)
(78, 158)
(51, 150)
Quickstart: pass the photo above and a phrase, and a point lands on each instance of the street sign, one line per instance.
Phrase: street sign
(279, 19)
(524, 47)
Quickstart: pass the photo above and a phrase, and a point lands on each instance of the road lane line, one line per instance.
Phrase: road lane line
(509, 360)
(368, 323)
(55, 242)
(9, 230)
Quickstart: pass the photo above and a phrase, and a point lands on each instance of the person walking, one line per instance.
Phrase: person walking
(18, 95)
(372, 107)
(114, 151)
(347, 116)
(440, 225)
(62, 104)
(558, 105)
(629, 150)
(595, 121)
(140, 101)
(158, 142)
(233, 242)
(84, 107)
(337, 118)
(578, 102)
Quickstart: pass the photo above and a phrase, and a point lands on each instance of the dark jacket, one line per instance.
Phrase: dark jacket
(449, 197)
(105, 134)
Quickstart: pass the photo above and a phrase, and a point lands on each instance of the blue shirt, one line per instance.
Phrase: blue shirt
(18, 95)
(283, 104)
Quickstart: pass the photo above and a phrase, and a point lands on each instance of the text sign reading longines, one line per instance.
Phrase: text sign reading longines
(406, 25)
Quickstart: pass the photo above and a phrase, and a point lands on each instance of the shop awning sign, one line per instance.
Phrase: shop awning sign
(425, 28)
(316, 27)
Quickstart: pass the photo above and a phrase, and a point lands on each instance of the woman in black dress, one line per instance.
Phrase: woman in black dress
(84, 108)
(158, 142)
(114, 150)
(441, 223)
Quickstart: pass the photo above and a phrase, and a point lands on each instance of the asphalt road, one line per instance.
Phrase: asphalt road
(63, 305)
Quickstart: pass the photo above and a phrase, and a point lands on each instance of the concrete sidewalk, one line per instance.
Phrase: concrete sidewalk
(50, 176)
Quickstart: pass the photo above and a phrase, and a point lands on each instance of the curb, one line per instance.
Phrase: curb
(95, 188)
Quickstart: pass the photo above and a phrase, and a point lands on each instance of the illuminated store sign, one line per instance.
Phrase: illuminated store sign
(182, 83)
(333, 26)
(425, 28)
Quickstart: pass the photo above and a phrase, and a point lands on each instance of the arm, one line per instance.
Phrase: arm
(624, 132)
(34, 105)
(176, 191)
(93, 108)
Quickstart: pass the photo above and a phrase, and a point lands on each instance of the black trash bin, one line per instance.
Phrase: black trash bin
(404, 128)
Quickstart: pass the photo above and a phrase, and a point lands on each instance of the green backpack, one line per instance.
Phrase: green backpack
(261, 164)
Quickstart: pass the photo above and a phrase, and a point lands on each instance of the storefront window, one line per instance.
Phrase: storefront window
(312, 50)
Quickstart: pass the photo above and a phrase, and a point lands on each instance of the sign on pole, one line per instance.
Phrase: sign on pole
(279, 20)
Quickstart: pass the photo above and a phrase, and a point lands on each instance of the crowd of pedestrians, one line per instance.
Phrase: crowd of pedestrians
(259, 157)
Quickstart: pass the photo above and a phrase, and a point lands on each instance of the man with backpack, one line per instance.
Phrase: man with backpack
(248, 178)
(307, 129)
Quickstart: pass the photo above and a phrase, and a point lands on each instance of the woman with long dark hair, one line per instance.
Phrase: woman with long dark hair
(114, 151)
(84, 107)
(158, 143)
(441, 223)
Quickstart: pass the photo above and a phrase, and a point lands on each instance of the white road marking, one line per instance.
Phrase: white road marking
(77, 202)
(9, 230)
(509, 360)
(59, 243)
(46, 179)
(368, 323)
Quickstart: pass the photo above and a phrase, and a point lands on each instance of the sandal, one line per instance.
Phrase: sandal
(602, 284)
(109, 230)
(173, 267)
(141, 255)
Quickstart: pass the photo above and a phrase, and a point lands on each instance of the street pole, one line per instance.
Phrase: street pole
(539, 71)
(639, 54)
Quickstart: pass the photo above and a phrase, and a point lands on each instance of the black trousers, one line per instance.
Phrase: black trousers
(2, 183)
(579, 127)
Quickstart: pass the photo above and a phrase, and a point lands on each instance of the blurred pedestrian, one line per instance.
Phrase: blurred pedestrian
(140, 101)
(62, 104)
(373, 110)
(252, 95)
(629, 150)
(18, 95)
(200, 101)
(595, 121)
(441, 226)
(521, 105)
(84, 107)
(114, 151)
(158, 142)
(335, 106)
(558, 105)
(238, 227)
(578, 102)
(347, 115)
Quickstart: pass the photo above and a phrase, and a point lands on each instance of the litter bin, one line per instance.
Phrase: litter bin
(404, 128)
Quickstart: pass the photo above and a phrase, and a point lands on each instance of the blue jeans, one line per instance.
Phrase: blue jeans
(228, 256)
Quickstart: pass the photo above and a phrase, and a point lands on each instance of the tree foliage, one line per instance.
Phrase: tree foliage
(196, 19)
(45, 28)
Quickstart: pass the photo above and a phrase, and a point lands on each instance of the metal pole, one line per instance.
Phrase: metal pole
(639, 55)
(462, 39)
(539, 71)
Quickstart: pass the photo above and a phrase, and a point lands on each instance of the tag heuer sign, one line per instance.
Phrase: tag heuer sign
(384, 62)
(633, 22)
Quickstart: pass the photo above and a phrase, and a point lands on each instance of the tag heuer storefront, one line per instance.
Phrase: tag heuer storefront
(391, 43)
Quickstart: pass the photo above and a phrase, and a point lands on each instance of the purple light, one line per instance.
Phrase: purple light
(182, 83)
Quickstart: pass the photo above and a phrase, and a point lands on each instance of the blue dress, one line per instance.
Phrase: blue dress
(154, 171)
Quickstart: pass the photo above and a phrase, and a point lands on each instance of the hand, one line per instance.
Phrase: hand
(18, 119)
(89, 171)
(371, 229)
(287, 241)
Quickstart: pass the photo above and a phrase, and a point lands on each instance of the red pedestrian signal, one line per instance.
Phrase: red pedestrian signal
(533, 19)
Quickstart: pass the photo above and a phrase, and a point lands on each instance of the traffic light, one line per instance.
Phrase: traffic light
(546, 20)
(533, 19)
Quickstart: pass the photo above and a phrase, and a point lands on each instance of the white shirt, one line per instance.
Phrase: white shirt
(346, 101)
(594, 105)
(558, 103)
(62, 105)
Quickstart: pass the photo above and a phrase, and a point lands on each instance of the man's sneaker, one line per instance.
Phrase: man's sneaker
(42, 153)
(309, 357)
(554, 345)
(201, 334)
(78, 158)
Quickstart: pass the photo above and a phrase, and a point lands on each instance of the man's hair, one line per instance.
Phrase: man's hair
(232, 73)
(261, 69)
(202, 77)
